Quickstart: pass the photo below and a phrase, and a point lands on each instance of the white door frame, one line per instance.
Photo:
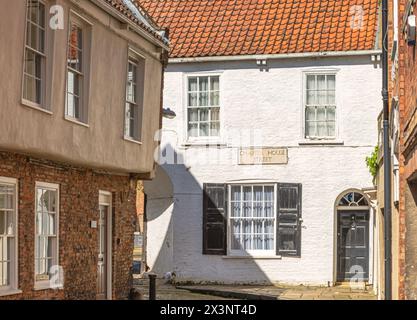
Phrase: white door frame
(105, 199)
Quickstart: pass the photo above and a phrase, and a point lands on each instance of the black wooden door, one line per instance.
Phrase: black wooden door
(353, 245)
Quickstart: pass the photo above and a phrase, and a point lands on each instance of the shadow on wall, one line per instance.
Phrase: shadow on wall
(174, 215)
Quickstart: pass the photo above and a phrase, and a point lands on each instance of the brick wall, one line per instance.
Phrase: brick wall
(78, 242)
(408, 209)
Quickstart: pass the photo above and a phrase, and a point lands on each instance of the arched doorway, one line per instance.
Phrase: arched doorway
(353, 240)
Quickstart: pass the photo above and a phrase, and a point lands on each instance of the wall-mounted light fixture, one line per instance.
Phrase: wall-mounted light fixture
(168, 113)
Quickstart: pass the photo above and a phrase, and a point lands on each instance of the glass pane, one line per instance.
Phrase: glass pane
(257, 209)
(331, 113)
(331, 82)
(310, 113)
(321, 98)
(214, 129)
(192, 84)
(204, 114)
(193, 130)
(203, 99)
(52, 201)
(247, 193)
(214, 114)
(321, 129)
(32, 89)
(269, 193)
(257, 242)
(51, 223)
(269, 226)
(311, 97)
(214, 84)
(258, 226)
(258, 193)
(39, 223)
(203, 81)
(321, 82)
(331, 127)
(247, 209)
(247, 242)
(192, 114)
(10, 223)
(311, 82)
(269, 242)
(204, 129)
(2, 222)
(321, 113)
(269, 209)
(235, 209)
(331, 97)
(215, 98)
(192, 99)
(235, 193)
(310, 129)
(287, 238)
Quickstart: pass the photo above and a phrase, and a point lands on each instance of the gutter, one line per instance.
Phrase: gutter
(322, 54)
(133, 26)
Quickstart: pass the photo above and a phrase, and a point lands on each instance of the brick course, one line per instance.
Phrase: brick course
(78, 242)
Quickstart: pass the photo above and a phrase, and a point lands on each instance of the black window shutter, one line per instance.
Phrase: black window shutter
(288, 242)
(214, 219)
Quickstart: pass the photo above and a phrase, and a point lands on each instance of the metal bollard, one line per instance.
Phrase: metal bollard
(152, 286)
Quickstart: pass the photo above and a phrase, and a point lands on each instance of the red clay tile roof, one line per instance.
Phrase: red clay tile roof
(241, 27)
(151, 27)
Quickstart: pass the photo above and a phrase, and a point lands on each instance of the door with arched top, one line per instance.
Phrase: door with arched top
(353, 238)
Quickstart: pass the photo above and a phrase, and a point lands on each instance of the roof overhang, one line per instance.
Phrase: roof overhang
(133, 26)
(278, 56)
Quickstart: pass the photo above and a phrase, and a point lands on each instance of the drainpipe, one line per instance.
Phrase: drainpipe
(387, 153)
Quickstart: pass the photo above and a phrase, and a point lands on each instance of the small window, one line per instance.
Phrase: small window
(203, 106)
(8, 234)
(35, 54)
(46, 229)
(77, 63)
(320, 107)
(252, 218)
(134, 97)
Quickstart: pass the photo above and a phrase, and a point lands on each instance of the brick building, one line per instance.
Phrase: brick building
(81, 102)
(404, 90)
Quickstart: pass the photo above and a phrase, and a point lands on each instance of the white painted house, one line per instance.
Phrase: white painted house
(262, 175)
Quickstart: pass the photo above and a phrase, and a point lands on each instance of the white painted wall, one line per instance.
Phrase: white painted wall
(273, 102)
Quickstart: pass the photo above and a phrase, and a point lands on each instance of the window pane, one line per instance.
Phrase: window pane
(321, 113)
(331, 97)
(331, 82)
(311, 82)
(193, 130)
(235, 209)
(214, 98)
(204, 114)
(311, 97)
(321, 129)
(192, 114)
(32, 89)
(321, 82)
(247, 209)
(235, 193)
(192, 99)
(10, 224)
(203, 99)
(214, 84)
(310, 128)
(2, 223)
(214, 114)
(204, 129)
(192, 84)
(203, 81)
(310, 113)
(321, 98)
(331, 113)
(331, 126)
(214, 129)
(287, 238)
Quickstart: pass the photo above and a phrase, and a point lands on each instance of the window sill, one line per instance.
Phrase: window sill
(320, 142)
(35, 106)
(10, 292)
(204, 143)
(132, 140)
(45, 285)
(73, 120)
(257, 257)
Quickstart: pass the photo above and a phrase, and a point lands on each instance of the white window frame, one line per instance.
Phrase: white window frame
(86, 27)
(42, 105)
(328, 72)
(133, 54)
(14, 278)
(257, 253)
(46, 284)
(202, 139)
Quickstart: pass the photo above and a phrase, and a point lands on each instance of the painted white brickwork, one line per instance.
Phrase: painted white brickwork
(272, 102)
